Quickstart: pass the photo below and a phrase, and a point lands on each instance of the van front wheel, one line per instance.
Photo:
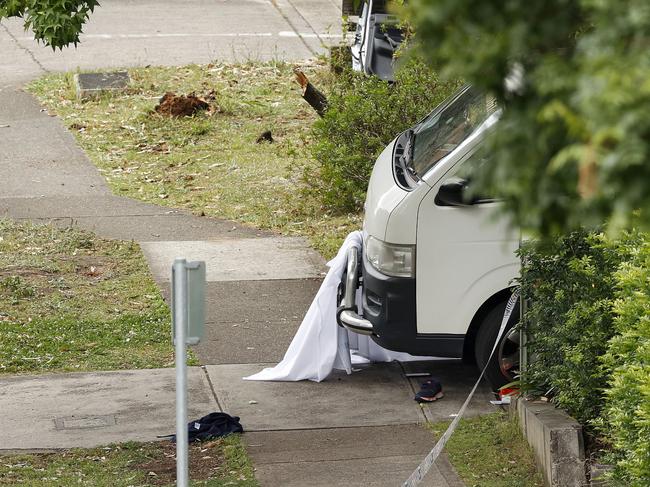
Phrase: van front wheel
(504, 364)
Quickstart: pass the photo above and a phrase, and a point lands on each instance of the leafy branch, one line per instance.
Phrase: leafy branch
(56, 23)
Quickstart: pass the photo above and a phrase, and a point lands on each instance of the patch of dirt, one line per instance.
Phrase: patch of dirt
(173, 105)
(92, 271)
(160, 147)
(26, 272)
(204, 462)
(93, 266)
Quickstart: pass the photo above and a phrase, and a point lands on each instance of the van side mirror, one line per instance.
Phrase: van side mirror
(452, 193)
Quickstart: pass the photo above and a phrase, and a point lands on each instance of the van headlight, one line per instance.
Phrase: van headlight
(391, 259)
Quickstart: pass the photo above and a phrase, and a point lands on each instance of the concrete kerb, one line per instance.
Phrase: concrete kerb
(556, 440)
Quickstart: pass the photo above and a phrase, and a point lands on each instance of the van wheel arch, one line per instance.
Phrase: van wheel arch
(470, 337)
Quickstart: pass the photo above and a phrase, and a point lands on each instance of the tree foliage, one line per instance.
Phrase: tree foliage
(573, 145)
(56, 23)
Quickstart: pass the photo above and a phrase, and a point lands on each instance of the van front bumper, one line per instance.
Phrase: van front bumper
(387, 303)
(388, 312)
(347, 314)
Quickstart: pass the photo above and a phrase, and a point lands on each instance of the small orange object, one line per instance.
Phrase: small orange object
(508, 391)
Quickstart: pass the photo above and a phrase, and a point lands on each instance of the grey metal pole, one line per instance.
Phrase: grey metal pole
(523, 335)
(180, 324)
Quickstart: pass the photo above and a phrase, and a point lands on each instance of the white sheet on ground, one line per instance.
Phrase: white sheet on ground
(320, 345)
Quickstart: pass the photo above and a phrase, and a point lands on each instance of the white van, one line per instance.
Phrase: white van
(437, 264)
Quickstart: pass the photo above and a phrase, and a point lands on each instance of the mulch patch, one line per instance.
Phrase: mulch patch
(204, 462)
(173, 105)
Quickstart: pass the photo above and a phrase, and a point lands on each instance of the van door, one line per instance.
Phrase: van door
(464, 255)
(377, 38)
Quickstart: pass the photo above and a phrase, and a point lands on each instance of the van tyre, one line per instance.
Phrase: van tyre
(507, 351)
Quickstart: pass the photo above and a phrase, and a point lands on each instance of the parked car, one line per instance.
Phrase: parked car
(437, 264)
(377, 37)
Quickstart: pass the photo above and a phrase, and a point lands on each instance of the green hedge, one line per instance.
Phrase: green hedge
(588, 323)
(626, 419)
(364, 115)
(570, 284)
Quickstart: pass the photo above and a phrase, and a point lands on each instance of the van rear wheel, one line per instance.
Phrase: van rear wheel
(504, 364)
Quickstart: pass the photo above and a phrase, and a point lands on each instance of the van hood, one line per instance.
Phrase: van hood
(383, 195)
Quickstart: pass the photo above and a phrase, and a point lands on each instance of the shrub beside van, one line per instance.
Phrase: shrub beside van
(364, 115)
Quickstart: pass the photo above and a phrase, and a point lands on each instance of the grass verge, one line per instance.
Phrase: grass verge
(490, 451)
(216, 463)
(209, 163)
(70, 301)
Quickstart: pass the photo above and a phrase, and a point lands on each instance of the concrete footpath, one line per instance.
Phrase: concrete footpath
(362, 429)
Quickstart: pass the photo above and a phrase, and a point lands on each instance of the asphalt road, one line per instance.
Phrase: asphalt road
(123, 33)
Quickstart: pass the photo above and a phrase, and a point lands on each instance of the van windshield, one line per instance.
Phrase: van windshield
(447, 126)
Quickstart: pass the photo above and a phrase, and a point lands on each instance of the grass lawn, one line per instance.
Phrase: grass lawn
(216, 463)
(490, 451)
(70, 301)
(209, 163)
